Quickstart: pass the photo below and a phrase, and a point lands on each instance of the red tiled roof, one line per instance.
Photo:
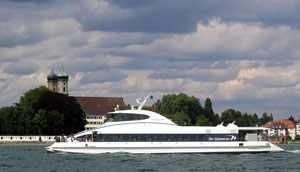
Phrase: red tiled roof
(287, 123)
(99, 105)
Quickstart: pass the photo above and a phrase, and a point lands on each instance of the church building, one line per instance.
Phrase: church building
(58, 83)
(95, 108)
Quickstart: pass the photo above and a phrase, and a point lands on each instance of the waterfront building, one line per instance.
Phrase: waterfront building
(298, 128)
(96, 109)
(28, 138)
(58, 83)
(281, 128)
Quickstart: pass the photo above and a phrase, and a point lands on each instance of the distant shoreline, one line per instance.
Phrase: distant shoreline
(25, 143)
(296, 142)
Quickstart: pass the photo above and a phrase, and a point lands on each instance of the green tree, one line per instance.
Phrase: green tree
(209, 112)
(265, 118)
(29, 104)
(41, 111)
(181, 118)
(291, 118)
(180, 104)
(8, 120)
(40, 121)
(49, 122)
(255, 118)
(249, 120)
(203, 121)
(74, 118)
(232, 115)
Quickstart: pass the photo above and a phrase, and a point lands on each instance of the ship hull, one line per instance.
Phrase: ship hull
(162, 147)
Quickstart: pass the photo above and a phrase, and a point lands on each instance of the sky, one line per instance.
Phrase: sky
(241, 54)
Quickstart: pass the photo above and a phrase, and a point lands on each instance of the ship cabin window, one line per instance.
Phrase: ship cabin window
(127, 117)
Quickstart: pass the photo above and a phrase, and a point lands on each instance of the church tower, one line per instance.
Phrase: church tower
(52, 81)
(58, 83)
(62, 82)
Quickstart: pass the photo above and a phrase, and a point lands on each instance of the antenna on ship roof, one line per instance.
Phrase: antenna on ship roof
(143, 103)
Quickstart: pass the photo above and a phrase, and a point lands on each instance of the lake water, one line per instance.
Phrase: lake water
(34, 158)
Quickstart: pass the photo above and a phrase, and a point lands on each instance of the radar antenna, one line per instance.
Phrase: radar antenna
(143, 103)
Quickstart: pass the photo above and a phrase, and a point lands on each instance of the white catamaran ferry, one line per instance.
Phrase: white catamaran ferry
(139, 131)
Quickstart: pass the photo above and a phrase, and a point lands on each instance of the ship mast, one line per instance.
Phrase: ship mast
(145, 100)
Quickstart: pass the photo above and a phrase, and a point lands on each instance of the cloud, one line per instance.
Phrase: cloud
(103, 76)
(273, 81)
(24, 67)
(91, 64)
(219, 41)
(239, 52)
(163, 16)
(16, 86)
(13, 34)
(196, 74)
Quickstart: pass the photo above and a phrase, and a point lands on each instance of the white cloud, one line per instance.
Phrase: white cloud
(227, 60)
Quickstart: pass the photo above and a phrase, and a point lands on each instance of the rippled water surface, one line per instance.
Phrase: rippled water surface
(35, 158)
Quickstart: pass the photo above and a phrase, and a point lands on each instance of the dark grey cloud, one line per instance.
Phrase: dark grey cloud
(196, 75)
(103, 76)
(23, 67)
(36, 1)
(159, 16)
(25, 22)
(274, 81)
(180, 16)
(91, 64)
(132, 3)
(12, 39)
(280, 62)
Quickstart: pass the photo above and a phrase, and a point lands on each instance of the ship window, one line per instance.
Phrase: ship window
(151, 137)
(143, 137)
(185, 137)
(127, 117)
(169, 137)
(134, 137)
(126, 137)
(160, 137)
(116, 137)
(194, 137)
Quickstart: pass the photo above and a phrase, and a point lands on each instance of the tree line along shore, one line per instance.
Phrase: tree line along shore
(43, 112)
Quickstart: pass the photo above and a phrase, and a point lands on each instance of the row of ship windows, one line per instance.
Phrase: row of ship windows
(158, 137)
(94, 123)
(94, 117)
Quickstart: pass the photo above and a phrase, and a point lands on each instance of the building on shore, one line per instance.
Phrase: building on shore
(58, 83)
(27, 138)
(95, 108)
(282, 128)
(298, 128)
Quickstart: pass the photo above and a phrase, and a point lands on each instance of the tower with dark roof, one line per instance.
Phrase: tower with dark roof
(52, 81)
(58, 83)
